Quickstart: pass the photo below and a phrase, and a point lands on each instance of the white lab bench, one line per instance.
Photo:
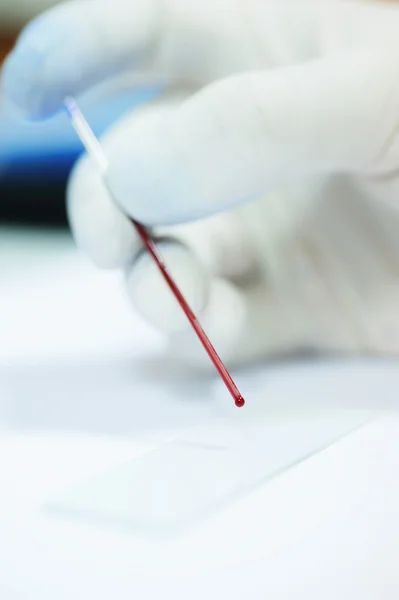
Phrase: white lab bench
(327, 528)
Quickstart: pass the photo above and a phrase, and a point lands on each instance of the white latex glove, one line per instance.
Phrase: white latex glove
(291, 107)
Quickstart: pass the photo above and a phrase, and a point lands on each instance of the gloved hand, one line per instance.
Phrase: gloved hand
(280, 118)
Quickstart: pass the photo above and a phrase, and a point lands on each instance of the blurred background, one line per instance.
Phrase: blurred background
(31, 180)
(35, 159)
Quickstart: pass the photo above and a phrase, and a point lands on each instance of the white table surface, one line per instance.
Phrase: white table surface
(326, 529)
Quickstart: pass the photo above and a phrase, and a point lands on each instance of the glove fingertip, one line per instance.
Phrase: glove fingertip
(100, 229)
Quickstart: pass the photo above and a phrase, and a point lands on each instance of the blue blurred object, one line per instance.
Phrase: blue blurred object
(47, 150)
(36, 158)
